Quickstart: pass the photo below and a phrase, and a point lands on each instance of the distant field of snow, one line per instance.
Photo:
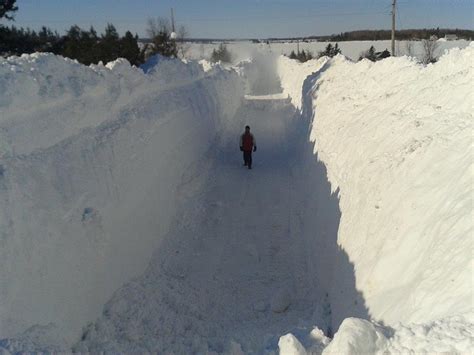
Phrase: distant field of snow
(351, 49)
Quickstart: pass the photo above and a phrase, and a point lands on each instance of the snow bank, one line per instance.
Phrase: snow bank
(293, 74)
(396, 138)
(91, 159)
(451, 335)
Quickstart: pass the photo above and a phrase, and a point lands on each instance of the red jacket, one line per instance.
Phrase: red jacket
(247, 141)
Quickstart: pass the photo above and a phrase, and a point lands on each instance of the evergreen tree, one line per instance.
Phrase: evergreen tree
(369, 54)
(72, 43)
(330, 51)
(109, 44)
(7, 8)
(45, 34)
(221, 54)
(164, 45)
(327, 51)
(384, 54)
(161, 42)
(84, 46)
(302, 56)
(81, 45)
(89, 44)
(129, 48)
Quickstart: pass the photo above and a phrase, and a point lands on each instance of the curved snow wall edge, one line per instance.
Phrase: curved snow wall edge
(395, 138)
(82, 213)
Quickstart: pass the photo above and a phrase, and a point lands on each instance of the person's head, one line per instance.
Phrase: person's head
(247, 129)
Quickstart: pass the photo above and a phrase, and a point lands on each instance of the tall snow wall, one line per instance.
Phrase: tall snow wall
(93, 161)
(396, 139)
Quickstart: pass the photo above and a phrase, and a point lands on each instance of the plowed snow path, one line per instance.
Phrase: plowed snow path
(235, 250)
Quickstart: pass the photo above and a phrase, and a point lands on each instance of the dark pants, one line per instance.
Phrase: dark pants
(248, 158)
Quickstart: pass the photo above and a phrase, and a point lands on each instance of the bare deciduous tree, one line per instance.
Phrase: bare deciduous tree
(429, 49)
(159, 30)
(157, 25)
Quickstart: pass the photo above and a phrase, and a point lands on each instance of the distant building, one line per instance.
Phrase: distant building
(450, 37)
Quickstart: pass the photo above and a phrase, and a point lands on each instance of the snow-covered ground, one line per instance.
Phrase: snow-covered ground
(122, 190)
(231, 270)
(242, 50)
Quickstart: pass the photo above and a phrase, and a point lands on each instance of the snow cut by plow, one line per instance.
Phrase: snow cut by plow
(396, 138)
(350, 235)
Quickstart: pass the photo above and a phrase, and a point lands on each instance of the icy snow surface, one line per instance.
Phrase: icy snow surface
(122, 190)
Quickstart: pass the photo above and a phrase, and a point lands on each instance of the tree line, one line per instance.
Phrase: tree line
(429, 47)
(303, 56)
(87, 46)
(402, 35)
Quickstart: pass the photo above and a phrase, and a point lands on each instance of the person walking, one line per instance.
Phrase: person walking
(247, 145)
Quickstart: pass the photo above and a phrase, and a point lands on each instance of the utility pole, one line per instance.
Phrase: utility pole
(393, 27)
(172, 20)
(173, 34)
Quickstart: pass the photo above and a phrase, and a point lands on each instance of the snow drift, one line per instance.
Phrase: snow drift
(396, 138)
(96, 161)
(90, 162)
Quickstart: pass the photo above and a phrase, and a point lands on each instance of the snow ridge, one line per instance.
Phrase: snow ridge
(91, 160)
(396, 138)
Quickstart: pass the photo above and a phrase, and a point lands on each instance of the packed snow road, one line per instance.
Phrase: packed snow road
(230, 272)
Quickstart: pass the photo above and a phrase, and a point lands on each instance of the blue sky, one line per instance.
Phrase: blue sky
(246, 18)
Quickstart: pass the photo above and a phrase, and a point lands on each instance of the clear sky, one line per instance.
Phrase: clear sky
(246, 18)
